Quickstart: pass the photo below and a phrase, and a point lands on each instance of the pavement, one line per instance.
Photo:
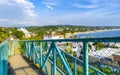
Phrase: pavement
(18, 65)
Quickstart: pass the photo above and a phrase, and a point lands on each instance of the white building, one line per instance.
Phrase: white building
(26, 32)
(77, 47)
(53, 36)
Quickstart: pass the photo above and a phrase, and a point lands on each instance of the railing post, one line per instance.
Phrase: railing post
(51, 67)
(34, 54)
(85, 58)
(31, 51)
(6, 48)
(1, 61)
(46, 46)
(54, 60)
(74, 66)
(41, 54)
(26, 49)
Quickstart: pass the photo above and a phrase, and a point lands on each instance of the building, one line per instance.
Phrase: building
(116, 57)
(25, 31)
(53, 36)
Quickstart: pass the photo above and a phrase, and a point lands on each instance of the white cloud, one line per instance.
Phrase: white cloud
(49, 7)
(16, 10)
(27, 7)
(85, 6)
(50, 3)
(95, 1)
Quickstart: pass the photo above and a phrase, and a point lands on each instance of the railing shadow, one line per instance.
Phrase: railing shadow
(11, 71)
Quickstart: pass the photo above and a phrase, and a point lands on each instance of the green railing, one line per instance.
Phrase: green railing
(49, 57)
(50, 52)
(4, 48)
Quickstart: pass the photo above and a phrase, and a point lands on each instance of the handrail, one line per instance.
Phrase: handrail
(103, 39)
(4, 48)
(33, 53)
(82, 62)
(85, 52)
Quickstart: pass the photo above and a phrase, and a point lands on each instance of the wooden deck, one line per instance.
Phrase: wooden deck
(18, 65)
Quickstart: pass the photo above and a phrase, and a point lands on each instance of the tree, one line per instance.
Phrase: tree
(18, 34)
(99, 45)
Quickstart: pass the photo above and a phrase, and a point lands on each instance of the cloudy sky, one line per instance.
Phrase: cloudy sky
(55, 12)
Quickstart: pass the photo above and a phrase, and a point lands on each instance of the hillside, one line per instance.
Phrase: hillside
(40, 31)
(7, 32)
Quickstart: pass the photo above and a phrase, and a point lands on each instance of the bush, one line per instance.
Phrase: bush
(79, 71)
(68, 50)
(114, 46)
(106, 70)
(99, 45)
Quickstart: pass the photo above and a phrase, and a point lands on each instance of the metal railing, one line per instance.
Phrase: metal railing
(50, 52)
(52, 59)
(4, 48)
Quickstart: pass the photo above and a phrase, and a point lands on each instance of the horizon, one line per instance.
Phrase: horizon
(22, 26)
(15, 13)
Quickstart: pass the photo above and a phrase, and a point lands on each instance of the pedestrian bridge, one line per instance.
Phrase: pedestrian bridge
(45, 57)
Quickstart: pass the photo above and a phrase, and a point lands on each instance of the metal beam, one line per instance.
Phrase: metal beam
(74, 67)
(103, 39)
(54, 60)
(48, 53)
(85, 58)
(41, 54)
(63, 61)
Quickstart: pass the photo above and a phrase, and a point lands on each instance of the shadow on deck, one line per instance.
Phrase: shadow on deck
(19, 65)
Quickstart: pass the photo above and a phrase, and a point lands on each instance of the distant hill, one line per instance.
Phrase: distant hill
(40, 31)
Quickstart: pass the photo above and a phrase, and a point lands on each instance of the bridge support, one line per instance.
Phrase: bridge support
(54, 60)
(41, 54)
(85, 58)
(74, 67)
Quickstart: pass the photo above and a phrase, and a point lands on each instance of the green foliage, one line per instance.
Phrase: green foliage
(68, 50)
(99, 45)
(91, 71)
(4, 34)
(40, 31)
(113, 73)
(7, 32)
(18, 34)
(59, 63)
(79, 70)
(74, 53)
(22, 48)
(114, 46)
(106, 70)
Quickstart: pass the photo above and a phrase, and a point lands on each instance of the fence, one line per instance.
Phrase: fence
(51, 57)
(44, 52)
(4, 48)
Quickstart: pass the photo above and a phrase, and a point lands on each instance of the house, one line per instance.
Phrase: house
(53, 36)
(25, 31)
(116, 57)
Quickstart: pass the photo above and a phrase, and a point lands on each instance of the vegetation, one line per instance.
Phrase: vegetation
(17, 34)
(106, 70)
(99, 45)
(79, 67)
(7, 32)
(4, 34)
(114, 46)
(40, 31)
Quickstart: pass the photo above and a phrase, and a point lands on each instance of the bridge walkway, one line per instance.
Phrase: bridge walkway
(18, 65)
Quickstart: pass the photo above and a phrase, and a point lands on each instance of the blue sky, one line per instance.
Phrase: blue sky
(56, 12)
